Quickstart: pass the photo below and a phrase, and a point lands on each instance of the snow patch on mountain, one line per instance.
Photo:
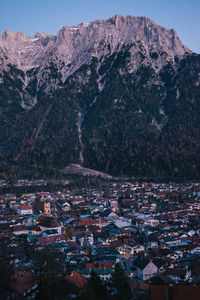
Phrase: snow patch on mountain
(79, 126)
(77, 169)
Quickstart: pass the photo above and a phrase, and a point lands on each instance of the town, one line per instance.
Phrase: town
(53, 243)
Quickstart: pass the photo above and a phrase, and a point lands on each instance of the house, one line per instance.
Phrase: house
(137, 248)
(30, 221)
(82, 238)
(97, 222)
(76, 279)
(45, 222)
(113, 204)
(106, 251)
(152, 241)
(191, 232)
(125, 249)
(19, 229)
(24, 210)
(51, 232)
(152, 222)
(108, 213)
(78, 200)
(66, 207)
(145, 269)
(104, 274)
(177, 274)
(160, 264)
(45, 240)
(24, 283)
(103, 269)
(194, 249)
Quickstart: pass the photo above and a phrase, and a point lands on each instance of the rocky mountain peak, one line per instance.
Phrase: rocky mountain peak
(55, 58)
(71, 41)
(9, 36)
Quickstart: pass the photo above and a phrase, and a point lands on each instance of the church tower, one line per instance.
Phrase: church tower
(47, 207)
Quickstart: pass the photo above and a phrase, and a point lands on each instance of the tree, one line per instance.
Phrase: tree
(6, 267)
(94, 289)
(68, 231)
(120, 283)
(55, 289)
(49, 265)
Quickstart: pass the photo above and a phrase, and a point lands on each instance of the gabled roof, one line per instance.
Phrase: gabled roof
(24, 207)
(141, 262)
(97, 271)
(47, 221)
(107, 251)
(174, 271)
(23, 280)
(158, 262)
(100, 266)
(47, 239)
(106, 212)
(76, 279)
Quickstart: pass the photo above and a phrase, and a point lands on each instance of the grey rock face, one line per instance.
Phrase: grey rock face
(52, 59)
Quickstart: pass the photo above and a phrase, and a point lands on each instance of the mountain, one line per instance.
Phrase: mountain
(118, 95)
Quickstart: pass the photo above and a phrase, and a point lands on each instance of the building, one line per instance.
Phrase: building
(145, 269)
(47, 206)
(46, 223)
(24, 210)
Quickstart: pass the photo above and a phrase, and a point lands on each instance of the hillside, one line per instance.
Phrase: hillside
(119, 96)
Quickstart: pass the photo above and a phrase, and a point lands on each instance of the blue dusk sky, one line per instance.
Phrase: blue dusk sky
(31, 16)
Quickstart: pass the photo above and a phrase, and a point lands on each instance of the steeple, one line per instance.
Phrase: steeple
(47, 206)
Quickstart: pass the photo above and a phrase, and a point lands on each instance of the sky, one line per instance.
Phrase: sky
(31, 16)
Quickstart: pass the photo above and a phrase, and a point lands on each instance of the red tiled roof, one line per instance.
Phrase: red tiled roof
(73, 244)
(196, 240)
(101, 265)
(115, 244)
(19, 228)
(89, 222)
(76, 279)
(86, 221)
(105, 265)
(112, 200)
(168, 259)
(192, 247)
(100, 221)
(24, 207)
(90, 266)
(174, 271)
(143, 286)
(127, 240)
(48, 239)
(23, 281)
